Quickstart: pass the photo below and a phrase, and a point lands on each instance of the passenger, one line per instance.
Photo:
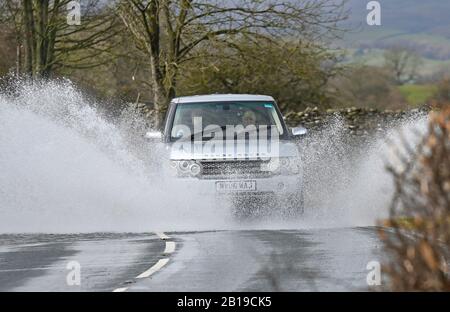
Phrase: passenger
(249, 118)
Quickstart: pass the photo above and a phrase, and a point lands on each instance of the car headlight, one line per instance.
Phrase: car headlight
(185, 168)
(284, 165)
(195, 169)
(184, 165)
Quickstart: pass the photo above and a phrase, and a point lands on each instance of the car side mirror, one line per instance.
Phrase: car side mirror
(298, 131)
(153, 135)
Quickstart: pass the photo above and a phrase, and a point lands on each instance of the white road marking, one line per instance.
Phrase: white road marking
(162, 235)
(154, 268)
(170, 248)
(24, 270)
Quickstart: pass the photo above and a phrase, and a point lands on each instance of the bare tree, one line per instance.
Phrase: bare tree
(10, 21)
(171, 31)
(49, 42)
(284, 70)
(403, 63)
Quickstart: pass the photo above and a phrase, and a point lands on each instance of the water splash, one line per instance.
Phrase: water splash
(348, 184)
(66, 168)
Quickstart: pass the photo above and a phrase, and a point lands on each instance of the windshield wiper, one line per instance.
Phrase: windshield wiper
(193, 136)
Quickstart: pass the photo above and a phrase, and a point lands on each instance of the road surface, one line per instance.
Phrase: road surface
(253, 260)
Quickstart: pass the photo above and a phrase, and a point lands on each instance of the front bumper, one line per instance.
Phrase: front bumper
(280, 185)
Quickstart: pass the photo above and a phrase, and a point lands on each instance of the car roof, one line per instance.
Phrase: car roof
(221, 98)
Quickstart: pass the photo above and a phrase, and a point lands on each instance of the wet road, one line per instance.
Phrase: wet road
(253, 260)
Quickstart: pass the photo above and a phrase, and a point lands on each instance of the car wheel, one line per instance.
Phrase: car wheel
(295, 205)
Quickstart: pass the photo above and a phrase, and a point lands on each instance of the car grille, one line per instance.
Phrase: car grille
(233, 169)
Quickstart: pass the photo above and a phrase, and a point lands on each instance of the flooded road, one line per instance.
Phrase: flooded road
(249, 260)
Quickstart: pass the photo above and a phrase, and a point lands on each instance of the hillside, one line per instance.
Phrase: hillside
(422, 25)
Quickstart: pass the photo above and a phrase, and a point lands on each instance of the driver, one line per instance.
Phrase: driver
(195, 113)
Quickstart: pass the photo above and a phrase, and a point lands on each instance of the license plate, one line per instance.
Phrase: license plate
(236, 186)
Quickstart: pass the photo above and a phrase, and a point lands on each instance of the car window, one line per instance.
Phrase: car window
(224, 114)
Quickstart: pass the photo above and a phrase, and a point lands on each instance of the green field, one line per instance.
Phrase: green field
(417, 94)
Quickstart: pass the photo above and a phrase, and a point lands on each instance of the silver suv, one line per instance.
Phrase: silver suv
(237, 146)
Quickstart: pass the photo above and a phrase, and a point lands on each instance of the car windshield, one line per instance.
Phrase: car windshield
(223, 115)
